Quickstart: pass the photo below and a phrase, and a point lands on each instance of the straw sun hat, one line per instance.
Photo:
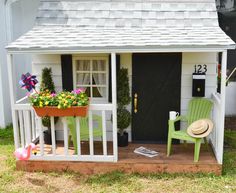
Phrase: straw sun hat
(200, 128)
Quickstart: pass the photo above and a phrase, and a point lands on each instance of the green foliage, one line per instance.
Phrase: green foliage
(62, 100)
(47, 85)
(47, 81)
(123, 91)
(123, 99)
(123, 119)
(230, 138)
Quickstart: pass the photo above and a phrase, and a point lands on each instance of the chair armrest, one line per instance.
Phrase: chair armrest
(180, 118)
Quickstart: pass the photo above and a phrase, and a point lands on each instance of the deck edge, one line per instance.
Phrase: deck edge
(104, 167)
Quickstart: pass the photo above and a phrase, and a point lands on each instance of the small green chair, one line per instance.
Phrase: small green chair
(198, 108)
(84, 129)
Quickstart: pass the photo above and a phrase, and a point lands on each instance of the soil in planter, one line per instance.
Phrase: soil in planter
(123, 139)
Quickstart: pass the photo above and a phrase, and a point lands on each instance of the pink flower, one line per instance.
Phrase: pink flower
(53, 94)
(78, 91)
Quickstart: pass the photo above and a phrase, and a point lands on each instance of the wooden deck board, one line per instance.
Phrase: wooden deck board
(180, 161)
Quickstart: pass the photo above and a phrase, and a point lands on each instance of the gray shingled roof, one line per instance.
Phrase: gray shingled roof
(120, 24)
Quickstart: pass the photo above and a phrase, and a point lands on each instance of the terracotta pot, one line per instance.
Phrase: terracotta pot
(55, 112)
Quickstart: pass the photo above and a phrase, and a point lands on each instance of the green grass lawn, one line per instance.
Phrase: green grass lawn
(18, 181)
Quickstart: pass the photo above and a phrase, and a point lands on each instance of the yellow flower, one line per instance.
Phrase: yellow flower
(47, 102)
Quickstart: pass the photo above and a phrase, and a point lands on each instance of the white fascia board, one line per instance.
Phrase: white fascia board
(119, 50)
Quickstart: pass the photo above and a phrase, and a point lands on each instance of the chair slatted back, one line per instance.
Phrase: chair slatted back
(84, 127)
(199, 108)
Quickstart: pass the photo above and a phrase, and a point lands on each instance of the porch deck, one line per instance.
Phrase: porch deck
(181, 160)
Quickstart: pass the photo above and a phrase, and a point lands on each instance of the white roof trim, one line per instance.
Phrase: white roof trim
(126, 50)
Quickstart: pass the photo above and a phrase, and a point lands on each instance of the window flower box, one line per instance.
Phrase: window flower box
(80, 111)
(75, 103)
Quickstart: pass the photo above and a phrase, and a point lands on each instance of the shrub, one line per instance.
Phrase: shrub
(123, 99)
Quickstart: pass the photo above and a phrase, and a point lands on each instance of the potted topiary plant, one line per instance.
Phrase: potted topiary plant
(123, 99)
(47, 85)
(123, 121)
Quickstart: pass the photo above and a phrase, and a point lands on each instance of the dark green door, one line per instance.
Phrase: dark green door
(156, 82)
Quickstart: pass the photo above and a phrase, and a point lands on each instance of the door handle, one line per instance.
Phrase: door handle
(135, 103)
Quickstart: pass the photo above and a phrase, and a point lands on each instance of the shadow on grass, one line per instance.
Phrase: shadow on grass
(110, 178)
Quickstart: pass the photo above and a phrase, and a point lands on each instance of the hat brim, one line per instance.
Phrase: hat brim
(205, 134)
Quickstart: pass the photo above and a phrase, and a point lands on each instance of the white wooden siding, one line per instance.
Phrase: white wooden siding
(188, 62)
(54, 61)
(51, 61)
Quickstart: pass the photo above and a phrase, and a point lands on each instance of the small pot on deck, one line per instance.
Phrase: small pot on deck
(47, 137)
(123, 140)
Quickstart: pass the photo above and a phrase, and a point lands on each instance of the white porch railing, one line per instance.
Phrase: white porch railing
(29, 128)
(217, 134)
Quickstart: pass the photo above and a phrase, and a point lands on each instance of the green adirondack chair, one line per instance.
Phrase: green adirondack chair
(84, 129)
(198, 108)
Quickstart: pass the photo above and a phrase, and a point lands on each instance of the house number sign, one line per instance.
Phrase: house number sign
(200, 68)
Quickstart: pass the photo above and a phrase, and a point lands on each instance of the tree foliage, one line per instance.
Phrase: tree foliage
(47, 81)
(123, 91)
(47, 84)
(123, 99)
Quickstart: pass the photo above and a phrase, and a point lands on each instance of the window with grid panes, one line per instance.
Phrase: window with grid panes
(91, 74)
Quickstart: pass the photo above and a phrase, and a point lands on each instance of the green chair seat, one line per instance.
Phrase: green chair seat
(198, 108)
(183, 135)
(84, 129)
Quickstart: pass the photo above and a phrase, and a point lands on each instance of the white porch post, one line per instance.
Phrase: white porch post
(220, 139)
(114, 104)
(13, 98)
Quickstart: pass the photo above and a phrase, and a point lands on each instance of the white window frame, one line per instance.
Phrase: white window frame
(91, 58)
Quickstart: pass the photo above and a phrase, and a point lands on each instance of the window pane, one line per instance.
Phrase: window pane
(87, 91)
(83, 79)
(82, 65)
(99, 65)
(99, 92)
(99, 79)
